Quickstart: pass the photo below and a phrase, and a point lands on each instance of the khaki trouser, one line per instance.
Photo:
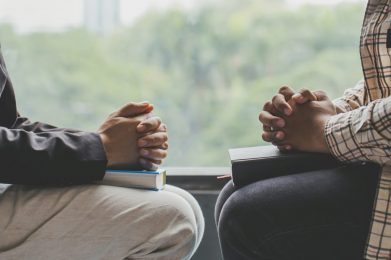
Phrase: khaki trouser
(97, 222)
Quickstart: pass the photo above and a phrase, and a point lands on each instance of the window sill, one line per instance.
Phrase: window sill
(198, 180)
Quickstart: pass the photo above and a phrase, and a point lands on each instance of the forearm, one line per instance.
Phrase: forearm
(352, 98)
(363, 134)
(24, 123)
(50, 157)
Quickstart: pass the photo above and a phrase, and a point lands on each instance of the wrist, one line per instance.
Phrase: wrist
(323, 146)
(104, 141)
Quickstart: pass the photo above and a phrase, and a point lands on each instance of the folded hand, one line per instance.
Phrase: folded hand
(297, 121)
(133, 138)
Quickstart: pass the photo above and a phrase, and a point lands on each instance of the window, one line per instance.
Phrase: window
(207, 66)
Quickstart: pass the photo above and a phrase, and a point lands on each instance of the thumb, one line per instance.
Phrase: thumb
(134, 109)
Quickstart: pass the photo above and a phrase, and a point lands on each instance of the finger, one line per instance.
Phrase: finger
(134, 109)
(287, 92)
(273, 136)
(281, 104)
(268, 106)
(149, 124)
(157, 162)
(162, 128)
(267, 128)
(153, 140)
(279, 143)
(304, 96)
(321, 95)
(268, 136)
(284, 148)
(149, 165)
(154, 154)
(163, 146)
(269, 120)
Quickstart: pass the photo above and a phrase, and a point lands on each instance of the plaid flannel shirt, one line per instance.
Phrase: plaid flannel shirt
(361, 131)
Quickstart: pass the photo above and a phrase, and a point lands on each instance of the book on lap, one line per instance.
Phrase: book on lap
(251, 164)
(150, 180)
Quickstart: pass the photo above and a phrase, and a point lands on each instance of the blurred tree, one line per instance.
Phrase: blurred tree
(208, 71)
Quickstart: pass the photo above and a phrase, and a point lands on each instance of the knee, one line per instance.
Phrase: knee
(224, 195)
(183, 229)
(245, 221)
(163, 223)
(233, 218)
(177, 209)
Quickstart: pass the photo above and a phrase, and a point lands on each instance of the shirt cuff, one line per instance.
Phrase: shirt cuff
(96, 155)
(342, 105)
(340, 138)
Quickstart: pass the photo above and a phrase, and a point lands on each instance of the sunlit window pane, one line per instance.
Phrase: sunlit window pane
(207, 66)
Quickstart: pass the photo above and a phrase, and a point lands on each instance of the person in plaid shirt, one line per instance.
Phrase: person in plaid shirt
(343, 213)
(357, 126)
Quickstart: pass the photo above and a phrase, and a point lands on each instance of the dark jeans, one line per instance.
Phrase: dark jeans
(316, 215)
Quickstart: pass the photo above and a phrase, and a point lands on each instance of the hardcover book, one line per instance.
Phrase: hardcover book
(251, 164)
(151, 180)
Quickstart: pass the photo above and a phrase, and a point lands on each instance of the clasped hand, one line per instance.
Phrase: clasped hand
(297, 120)
(133, 138)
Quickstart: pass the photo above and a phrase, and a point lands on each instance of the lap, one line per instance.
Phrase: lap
(92, 216)
(333, 200)
(354, 185)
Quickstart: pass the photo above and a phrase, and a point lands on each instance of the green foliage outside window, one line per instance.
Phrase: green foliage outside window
(207, 71)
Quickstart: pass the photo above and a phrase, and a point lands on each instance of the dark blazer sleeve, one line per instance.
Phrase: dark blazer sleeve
(38, 153)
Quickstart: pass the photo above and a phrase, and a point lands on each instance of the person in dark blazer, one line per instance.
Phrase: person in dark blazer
(48, 209)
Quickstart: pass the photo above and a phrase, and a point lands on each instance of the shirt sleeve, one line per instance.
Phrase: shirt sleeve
(43, 154)
(53, 157)
(38, 127)
(352, 98)
(363, 134)
(39, 153)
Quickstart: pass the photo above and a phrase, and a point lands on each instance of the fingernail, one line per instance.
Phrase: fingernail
(287, 111)
(280, 123)
(288, 147)
(144, 152)
(279, 135)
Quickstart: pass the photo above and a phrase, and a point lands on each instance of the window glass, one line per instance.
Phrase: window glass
(207, 66)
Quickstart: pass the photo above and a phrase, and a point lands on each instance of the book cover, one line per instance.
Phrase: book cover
(251, 164)
(150, 180)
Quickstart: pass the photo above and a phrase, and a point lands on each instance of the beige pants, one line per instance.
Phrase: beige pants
(98, 222)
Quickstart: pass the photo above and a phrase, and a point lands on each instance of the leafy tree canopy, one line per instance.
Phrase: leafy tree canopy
(207, 71)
